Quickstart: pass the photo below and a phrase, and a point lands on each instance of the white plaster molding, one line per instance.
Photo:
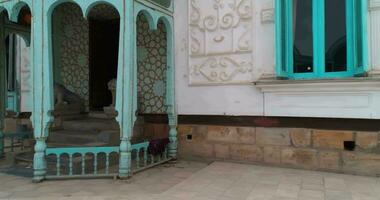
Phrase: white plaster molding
(346, 98)
(220, 42)
(374, 30)
(267, 16)
(333, 85)
(374, 72)
(374, 5)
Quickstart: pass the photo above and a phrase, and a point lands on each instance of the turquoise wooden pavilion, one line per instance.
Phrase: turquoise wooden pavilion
(41, 39)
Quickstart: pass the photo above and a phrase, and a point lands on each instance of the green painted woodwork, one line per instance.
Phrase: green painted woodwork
(140, 152)
(154, 17)
(3, 87)
(12, 101)
(165, 3)
(357, 50)
(9, 10)
(82, 152)
(41, 43)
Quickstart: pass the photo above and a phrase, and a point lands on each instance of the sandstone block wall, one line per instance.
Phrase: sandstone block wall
(326, 150)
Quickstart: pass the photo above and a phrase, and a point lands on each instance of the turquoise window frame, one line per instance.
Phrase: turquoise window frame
(357, 50)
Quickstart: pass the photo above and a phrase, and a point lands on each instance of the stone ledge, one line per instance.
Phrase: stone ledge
(319, 85)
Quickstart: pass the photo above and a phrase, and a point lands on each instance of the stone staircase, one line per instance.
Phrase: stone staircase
(86, 131)
(77, 131)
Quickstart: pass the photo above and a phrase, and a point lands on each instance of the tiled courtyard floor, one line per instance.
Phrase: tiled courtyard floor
(197, 181)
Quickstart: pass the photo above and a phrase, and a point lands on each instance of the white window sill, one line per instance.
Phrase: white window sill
(319, 85)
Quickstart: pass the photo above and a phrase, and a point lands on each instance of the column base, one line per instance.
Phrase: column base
(173, 161)
(125, 159)
(39, 162)
(38, 179)
(124, 177)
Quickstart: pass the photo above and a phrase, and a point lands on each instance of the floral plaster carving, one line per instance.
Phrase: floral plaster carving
(267, 15)
(220, 41)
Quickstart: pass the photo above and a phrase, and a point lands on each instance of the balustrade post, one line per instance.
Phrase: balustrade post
(39, 162)
(170, 93)
(173, 145)
(125, 158)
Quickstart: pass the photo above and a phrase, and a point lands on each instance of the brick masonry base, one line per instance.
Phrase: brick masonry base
(312, 149)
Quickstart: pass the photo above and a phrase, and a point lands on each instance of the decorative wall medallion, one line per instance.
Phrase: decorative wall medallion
(267, 16)
(220, 41)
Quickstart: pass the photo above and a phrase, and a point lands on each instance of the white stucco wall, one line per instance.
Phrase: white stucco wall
(198, 94)
(223, 98)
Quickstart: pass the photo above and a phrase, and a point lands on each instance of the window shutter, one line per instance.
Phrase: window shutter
(360, 54)
(281, 26)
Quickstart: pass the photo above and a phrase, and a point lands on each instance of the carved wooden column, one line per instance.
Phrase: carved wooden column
(124, 86)
(374, 9)
(170, 91)
(3, 84)
(173, 145)
(42, 78)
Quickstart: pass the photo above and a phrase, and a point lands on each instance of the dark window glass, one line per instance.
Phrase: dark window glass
(303, 36)
(10, 43)
(165, 3)
(335, 36)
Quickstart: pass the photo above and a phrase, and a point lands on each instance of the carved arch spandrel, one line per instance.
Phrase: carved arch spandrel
(220, 41)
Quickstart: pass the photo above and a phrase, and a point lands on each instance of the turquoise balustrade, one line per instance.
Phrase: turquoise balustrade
(82, 152)
(40, 41)
(142, 160)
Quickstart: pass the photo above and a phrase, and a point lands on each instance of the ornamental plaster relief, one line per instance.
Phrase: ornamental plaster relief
(267, 15)
(220, 41)
(374, 29)
(267, 12)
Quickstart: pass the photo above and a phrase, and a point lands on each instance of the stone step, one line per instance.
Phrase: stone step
(90, 124)
(98, 115)
(110, 137)
(75, 137)
(78, 116)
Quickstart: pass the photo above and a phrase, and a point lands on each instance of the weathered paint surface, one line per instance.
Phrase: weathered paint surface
(42, 70)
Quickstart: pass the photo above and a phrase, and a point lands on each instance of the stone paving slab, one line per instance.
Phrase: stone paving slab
(197, 181)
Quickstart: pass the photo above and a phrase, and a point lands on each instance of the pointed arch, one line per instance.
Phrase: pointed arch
(16, 9)
(89, 8)
(4, 11)
(54, 5)
(151, 19)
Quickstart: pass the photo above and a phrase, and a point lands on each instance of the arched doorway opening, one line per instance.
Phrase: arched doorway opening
(15, 72)
(104, 28)
(85, 60)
